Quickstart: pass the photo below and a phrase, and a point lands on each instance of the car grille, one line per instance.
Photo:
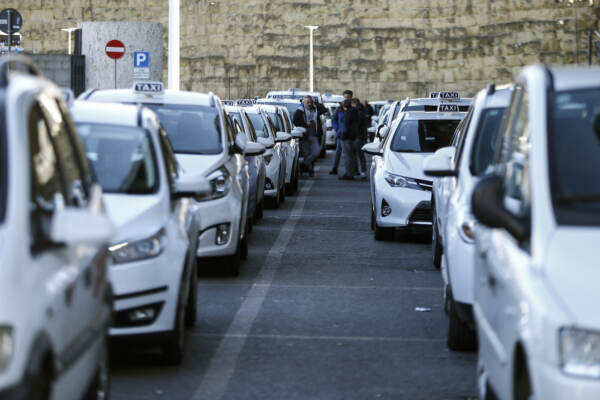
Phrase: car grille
(425, 185)
(422, 214)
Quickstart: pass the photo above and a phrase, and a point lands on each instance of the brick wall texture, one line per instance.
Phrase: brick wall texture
(380, 48)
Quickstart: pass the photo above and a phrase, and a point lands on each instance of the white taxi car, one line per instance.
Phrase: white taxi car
(283, 124)
(536, 275)
(330, 135)
(153, 252)
(56, 300)
(456, 170)
(205, 144)
(274, 156)
(400, 191)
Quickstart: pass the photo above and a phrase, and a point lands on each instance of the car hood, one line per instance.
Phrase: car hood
(406, 164)
(573, 272)
(198, 164)
(135, 216)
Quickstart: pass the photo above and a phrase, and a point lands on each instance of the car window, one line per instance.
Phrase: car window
(277, 122)
(3, 160)
(574, 155)
(229, 129)
(68, 155)
(122, 156)
(46, 181)
(169, 156)
(423, 136)
(286, 120)
(192, 129)
(459, 137)
(259, 124)
(485, 140)
(271, 125)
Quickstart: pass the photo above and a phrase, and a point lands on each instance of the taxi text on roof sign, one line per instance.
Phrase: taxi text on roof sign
(245, 102)
(228, 102)
(149, 87)
(448, 108)
(445, 95)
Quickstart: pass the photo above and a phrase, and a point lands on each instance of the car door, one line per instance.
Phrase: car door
(500, 296)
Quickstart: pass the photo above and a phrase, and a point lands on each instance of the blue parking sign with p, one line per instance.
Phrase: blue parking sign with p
(141, 59)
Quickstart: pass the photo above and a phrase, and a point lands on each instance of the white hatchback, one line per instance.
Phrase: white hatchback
(205, 144)
(56, 301)
(153, 252)
(536, 274)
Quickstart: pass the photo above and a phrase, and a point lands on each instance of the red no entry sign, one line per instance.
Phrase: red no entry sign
(115, 49)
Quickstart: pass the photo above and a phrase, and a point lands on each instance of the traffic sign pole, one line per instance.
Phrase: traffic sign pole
(115, 73)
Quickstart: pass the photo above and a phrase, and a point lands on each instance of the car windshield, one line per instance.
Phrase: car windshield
(574, 148)
(423, 136)
(191, 129)
(486, 138)
(259, 125)
(122, 157)
(277, 121)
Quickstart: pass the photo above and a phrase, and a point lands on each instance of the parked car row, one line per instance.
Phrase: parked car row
(127, 193)
(511, 194)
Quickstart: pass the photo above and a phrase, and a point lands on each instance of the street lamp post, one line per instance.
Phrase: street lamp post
(69, 31)
(173, 62)
(311, 67)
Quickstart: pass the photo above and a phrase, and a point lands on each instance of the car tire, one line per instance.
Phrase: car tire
(372, 219)
(260, 210)
(436, 246)
(192, 304)
(461, 337)
(244, 244)
(233, 262)
(172, 348)
(382, 233)
(523, 390)
(100, 386)
(295, 179)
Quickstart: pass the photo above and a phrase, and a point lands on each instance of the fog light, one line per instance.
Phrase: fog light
(385, 208)
(142, 314)
(223, 231)
(269, 184)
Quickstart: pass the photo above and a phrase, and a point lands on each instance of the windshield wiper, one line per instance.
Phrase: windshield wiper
(585, 198)
(407, 151)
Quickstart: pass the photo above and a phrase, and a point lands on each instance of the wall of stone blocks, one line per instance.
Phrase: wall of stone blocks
(56, 67)
(380, 48)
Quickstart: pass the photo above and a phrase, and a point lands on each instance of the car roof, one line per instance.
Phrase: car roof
(96, 112)
(168, 97)
(422, 115)
(569, 78)
(496, 97)
(430, 105)
(281, 101)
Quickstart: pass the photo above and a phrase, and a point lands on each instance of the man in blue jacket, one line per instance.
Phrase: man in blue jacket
(346, 123)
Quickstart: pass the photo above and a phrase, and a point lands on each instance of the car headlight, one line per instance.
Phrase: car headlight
(401, 181)
(6, 346)
(140, 250)
(220, 181)
(580, 352)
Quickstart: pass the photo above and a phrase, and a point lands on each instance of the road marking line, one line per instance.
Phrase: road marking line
(320, 337)
(222, 365)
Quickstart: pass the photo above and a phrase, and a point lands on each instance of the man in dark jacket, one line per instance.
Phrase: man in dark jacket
(309, 116)
(361, 138)
(346, 123)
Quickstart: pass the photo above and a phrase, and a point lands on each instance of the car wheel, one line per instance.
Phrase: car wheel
(295, 179)
(436, 246)
(38, 380)
(372, 219)
(522, 385)
(99, 388)
(233, 262)
(461, 337)
(260, 209)
(172, 349)
(244, 244)
(282, 190)
(382, 233)
(192, 304)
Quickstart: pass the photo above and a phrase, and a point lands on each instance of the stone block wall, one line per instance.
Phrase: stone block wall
(380, 48)
(56, 67)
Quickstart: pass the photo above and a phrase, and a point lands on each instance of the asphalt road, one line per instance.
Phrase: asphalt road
(320, 311)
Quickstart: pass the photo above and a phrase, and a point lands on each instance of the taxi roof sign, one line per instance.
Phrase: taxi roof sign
(245, 102)
(149, 87)
(448, 108)
(444, 95)
(228, 102)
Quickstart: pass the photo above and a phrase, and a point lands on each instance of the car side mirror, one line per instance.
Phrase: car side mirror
(439, 164)
(373, 149)
(254, 149)
(283, 137)
(74, 226)
(372, 129)
(239, 145)
(267, 142)
(298, 132)
(189, 185)
(487, 203)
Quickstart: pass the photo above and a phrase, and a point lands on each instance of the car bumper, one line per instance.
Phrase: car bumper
(212, 213)
(410, 207)
(148, 284)
(460, 265)
(550, 383)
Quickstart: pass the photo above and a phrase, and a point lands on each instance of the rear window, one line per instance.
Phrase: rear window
(191, 129)
(423, 136)
(486, 138)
